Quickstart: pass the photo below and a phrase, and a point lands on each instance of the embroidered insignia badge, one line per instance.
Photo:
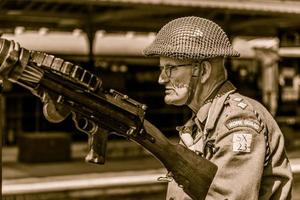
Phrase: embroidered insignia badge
(241, 142)
(239, 122)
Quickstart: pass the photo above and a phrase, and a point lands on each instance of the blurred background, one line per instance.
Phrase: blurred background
(42, 160)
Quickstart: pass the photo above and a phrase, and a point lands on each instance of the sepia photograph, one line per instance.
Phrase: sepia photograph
(150, 99)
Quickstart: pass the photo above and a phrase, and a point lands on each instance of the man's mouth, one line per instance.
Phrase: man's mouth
(169, 90)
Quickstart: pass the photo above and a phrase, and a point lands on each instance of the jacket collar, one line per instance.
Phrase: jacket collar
(216, 101)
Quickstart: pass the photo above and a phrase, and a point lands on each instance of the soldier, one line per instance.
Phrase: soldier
(233, 131)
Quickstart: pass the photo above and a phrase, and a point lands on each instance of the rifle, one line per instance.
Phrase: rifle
(98, 112)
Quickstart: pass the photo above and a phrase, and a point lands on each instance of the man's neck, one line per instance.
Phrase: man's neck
(209, 92)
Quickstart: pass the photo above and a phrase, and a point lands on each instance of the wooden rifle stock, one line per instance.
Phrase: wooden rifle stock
(191, 171)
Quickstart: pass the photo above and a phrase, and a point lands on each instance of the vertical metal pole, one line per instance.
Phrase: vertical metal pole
(90, 30)
(1, 130)
(268, 57)
(91, 35)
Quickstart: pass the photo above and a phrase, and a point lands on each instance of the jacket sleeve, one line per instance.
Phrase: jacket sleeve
(239, 155)
(277, 177)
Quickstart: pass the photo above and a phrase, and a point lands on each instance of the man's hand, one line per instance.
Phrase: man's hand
(10, 61)
(53, 111)
(13, 60)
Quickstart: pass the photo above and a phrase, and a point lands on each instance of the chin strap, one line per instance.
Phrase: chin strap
(192, 89)
(192, 86)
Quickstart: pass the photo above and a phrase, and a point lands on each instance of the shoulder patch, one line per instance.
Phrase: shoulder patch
(237, 99)
(242, 105)
(240, 122)
(241, 142)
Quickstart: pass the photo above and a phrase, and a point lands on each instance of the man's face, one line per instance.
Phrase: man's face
(175, 76)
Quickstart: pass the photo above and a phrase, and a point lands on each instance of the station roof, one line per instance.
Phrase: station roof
(237, 17)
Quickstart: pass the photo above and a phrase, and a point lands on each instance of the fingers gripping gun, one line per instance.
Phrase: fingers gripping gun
(66, 88)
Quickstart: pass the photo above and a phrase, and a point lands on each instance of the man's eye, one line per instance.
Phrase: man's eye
(169, 66)
(172, 68)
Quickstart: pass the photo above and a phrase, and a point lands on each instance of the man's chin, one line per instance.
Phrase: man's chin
(173, 101)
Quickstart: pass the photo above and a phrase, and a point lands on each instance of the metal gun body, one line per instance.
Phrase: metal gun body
(94, 110)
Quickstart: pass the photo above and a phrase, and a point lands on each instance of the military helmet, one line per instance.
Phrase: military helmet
(191, 38)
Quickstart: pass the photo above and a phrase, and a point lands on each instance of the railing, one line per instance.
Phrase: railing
(104, 184)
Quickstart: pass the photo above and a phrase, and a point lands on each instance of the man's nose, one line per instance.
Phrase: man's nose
(163, 78)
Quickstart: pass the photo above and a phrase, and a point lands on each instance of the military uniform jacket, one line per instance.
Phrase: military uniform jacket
(240, 136)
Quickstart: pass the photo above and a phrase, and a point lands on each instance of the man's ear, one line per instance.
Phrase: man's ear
(205, 71)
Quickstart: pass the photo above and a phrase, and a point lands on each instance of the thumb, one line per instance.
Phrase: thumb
(10, 60)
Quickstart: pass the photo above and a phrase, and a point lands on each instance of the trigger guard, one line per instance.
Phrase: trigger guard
(83, 124)
(52, 114)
